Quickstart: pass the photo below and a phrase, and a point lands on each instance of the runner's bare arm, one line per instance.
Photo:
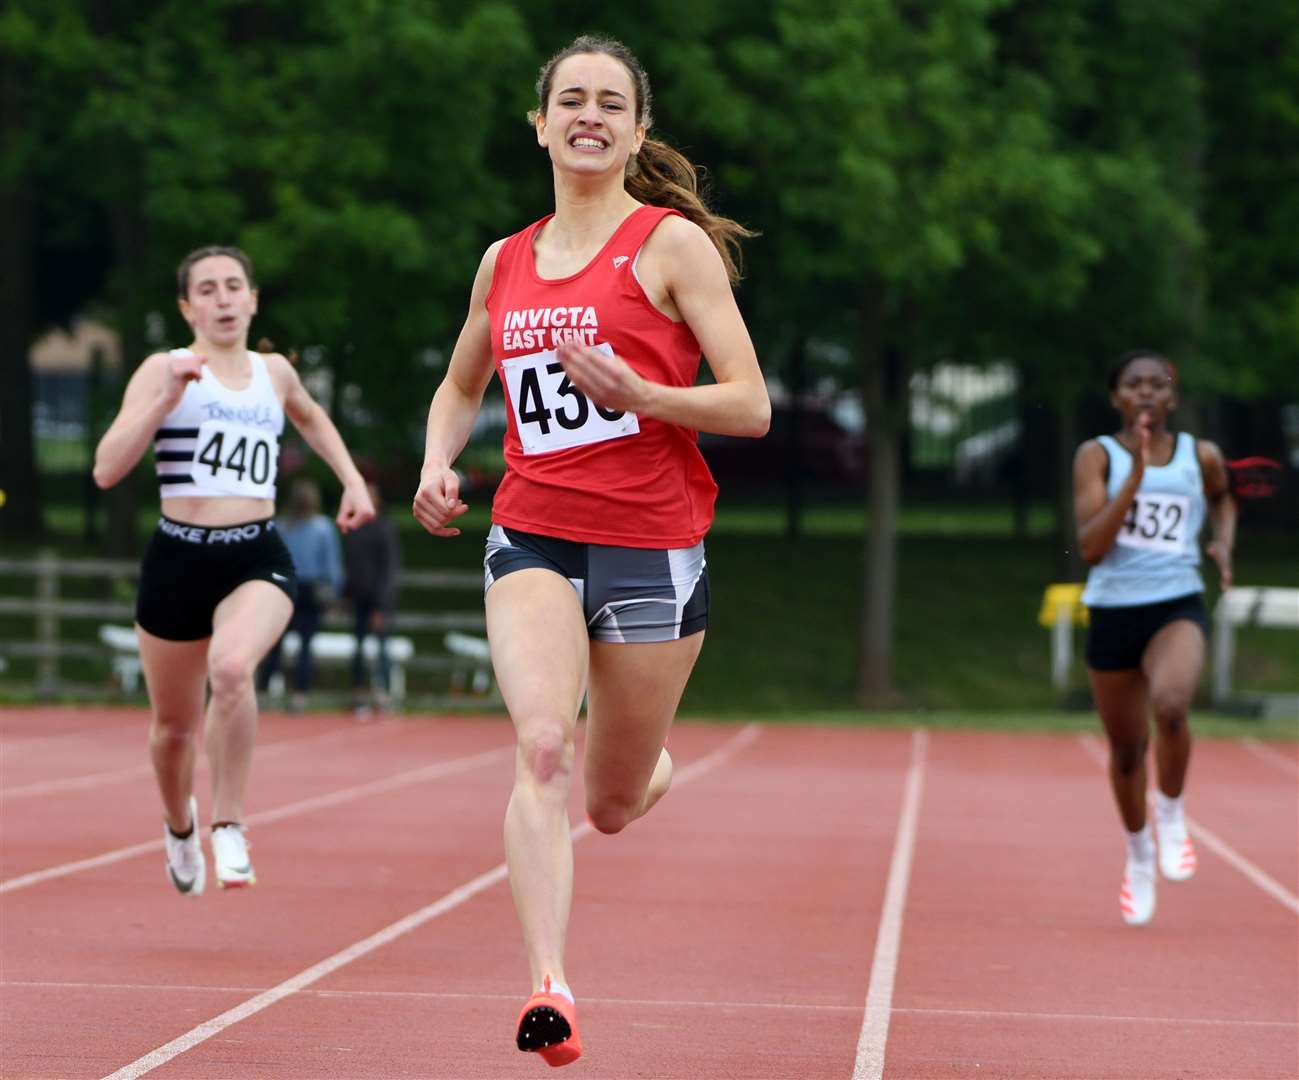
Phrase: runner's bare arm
(1098, 518)
(322, 436)
(1222, 508)
(453, 409)
(152, 392)
(695, 278)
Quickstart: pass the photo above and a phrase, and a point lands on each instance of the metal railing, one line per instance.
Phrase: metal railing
(50, 609)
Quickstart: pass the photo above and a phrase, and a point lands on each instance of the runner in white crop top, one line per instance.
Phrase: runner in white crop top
(221, 441)
(217, 583)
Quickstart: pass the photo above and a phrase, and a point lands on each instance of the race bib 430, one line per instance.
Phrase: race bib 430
(1156, 523)
(233, 459)
(551, 413)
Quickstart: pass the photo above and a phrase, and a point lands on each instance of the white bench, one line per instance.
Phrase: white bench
(1247, 605)
(126, 655)
(326, 648)
(332, 647)
(476, 650)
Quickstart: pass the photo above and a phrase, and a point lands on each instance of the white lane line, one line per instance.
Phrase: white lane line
(1224, 850)
(659, 1003)
(869, 1064)
(388, 934)
(400, 780)
(1214, 843)
(1103, 1019)
(19, 744)
(1271, 756)
(73, 783)
(1095, 750)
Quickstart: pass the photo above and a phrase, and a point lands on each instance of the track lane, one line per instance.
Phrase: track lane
(756, 889)
(1015, 962)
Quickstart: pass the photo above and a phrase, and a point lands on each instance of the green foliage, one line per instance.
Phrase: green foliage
(1251, 204)
(985, 180)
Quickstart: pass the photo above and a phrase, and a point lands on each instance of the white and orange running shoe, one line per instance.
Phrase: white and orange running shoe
(1137, 894)
(1177, 860)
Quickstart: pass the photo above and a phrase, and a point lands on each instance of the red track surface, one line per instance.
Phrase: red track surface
(732, 933)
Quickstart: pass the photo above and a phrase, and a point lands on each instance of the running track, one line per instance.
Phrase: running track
(807, 903)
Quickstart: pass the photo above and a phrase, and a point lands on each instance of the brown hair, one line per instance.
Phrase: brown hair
(658, 175)
(187, 264)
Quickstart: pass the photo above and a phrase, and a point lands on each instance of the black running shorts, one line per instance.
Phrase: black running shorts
(1117, 636)
(189, 569)
(627, 594)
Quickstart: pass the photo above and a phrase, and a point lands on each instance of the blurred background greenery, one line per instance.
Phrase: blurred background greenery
(967, 208)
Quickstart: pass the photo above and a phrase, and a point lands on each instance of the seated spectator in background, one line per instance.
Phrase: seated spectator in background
(372, 558)
(312, 540)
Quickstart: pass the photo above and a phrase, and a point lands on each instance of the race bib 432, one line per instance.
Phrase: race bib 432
(551, 413)
(1156, 522)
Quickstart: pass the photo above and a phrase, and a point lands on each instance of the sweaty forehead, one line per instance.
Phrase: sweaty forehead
(592, 71)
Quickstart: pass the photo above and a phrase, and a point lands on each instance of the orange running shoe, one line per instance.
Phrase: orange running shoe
(548, 1026)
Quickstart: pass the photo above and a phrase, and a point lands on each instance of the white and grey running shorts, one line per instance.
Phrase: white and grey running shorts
(627, 594)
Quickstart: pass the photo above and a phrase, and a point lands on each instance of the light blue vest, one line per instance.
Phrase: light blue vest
(1155, 555)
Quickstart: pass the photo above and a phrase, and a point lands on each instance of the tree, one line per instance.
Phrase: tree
(1107, 255)
(907, 156)
(344, 145)
(1250, 172)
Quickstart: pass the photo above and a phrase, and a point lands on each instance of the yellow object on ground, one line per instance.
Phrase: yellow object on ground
(1068, 594)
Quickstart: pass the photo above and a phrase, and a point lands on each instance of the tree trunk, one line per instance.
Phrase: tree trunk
(133, 303)
(795, 478)
(885, 396)
(20, 511)
(1068, 563)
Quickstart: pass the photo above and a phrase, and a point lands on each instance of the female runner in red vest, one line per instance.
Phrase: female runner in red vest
(595, 319)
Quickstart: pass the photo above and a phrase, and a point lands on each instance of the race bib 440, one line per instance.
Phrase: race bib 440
(1156, 523)
(550, 413)
(233, 459)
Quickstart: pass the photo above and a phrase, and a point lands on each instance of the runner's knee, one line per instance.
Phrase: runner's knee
(545, 752)
(172, 732)
(611, 814)
(1171, 709)
(231, 673)
(1128, 755)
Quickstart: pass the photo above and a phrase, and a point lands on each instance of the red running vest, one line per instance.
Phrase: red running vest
(575, 471)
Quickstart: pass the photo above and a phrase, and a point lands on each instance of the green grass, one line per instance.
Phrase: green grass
(783, 643)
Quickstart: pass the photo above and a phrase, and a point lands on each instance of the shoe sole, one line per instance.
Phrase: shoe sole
(546, 1031)
(236, 883)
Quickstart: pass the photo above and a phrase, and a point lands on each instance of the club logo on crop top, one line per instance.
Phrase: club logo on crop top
(248, 415)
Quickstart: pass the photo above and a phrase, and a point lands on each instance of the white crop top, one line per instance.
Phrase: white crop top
(218, 441)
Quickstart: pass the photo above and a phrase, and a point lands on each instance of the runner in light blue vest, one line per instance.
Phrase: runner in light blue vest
(1140, 500)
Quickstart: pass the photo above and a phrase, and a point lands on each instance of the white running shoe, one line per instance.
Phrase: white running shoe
(1176, 852)
(185, 863)
(1137, 896)
(234, 870)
